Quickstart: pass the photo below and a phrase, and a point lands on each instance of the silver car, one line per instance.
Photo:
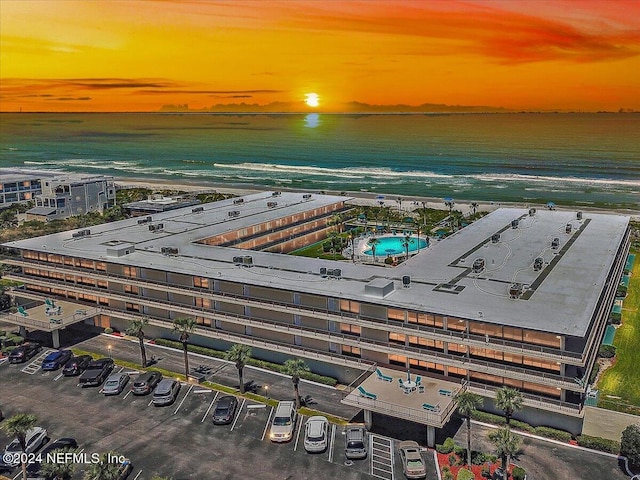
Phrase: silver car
(34, 439)
(284, 422)
(115, 383)
(356, 442)
(166, 392)
(412, 462)
(316, 434)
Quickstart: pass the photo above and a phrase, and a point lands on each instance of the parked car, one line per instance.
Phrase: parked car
(55, 360)
(316, 434)
(356, 442)
(413, 464)
(145, 383)
(166, 392)
(76, 365)
(33, 469)
(34, 439)
(115, 383)
(284, 422)
(96, 372)
(225, 410)
(24, 352)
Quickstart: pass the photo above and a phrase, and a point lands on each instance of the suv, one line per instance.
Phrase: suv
(24, 352)
(166, 392)
(145, 383)
(355, 441)
(284, 422)
(55, 360)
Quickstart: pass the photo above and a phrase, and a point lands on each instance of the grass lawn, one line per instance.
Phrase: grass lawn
(623, 379)
(315, 251)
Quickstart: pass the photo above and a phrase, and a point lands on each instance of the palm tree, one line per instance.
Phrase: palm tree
(295, 367)
(59, 471)
(185, 326)
(468, 403)
(103, 469)
(135, 328)
(405, 243)
(372, 243)
(509, 400)
(507, 444)
(474, 206)
(18, 426)
(240, 354)
(333, 238)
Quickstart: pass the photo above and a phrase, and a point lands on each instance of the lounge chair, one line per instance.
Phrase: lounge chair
(431, 408)
(382, 376)
(446, 393)
(418, 380)
(49, 302)
(22, 311)
(366, 394)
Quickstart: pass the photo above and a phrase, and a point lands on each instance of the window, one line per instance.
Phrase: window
(398, 360)
(350, 329)
(203, 302)
(456, 324)
(398, 338)
(349, 306)
(132, 289)
(130, 272)
(351, 351)
(426, 366)
(395, 314)
(426, 343)
(200, 282)
(203, 321)
(426, 319)
(132, 307)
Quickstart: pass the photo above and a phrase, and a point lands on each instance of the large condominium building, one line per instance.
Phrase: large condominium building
(18, 187)
(519, 298)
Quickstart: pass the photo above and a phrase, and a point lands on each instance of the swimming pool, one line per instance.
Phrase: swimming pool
(394, 245)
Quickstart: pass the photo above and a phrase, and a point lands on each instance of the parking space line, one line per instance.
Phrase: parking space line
(19, 474)
(266, 427)
(138, 475)
(128, 393)
(300, 418)
(35, 364)
(121, 369)
(332, 441)
(3, 360)
(58, 377)
(244, 400)
(210, 405)
(183, 399)
(381, 457)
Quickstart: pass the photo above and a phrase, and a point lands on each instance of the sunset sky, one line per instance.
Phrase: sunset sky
(58, 55)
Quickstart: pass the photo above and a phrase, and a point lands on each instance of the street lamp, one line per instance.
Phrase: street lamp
(266, 391)
(109, 348)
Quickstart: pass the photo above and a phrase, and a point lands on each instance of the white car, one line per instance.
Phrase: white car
(316, 434)
(34, 439)
(413, 465)
(284, 422)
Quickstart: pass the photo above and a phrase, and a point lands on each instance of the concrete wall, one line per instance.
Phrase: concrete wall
(599, 422)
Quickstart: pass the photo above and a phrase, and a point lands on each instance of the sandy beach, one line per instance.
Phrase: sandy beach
(407, 203)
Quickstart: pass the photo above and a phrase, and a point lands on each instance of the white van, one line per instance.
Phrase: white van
(284, 422)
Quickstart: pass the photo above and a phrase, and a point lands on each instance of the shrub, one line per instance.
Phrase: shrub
(478, 458)
(486, 471)
(452, 459)
(597, 443)
(460, 451)
(607, 351)
(518, 473)
(488, 418)
(108, 330)
(525, 427)
(630, 444)
(464, 474)
(553, 433)
(594, 372)
(447, 446)
(616, 321)
(446, 473)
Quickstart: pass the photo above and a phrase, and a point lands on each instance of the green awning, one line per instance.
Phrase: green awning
(630, 260)
(616, 309)
(625, 281)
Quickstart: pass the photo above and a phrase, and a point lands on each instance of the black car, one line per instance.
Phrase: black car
(33, 469)
(76, 365)
(55, 360)
(96, 372)
(146, 382)
(225, 410)
(24, 352)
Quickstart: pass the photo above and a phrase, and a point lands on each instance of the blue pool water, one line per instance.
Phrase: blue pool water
(393, 246)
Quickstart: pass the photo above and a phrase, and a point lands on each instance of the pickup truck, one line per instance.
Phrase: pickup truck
(96, 372)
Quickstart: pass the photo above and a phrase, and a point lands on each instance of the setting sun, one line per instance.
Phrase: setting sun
(312, 99)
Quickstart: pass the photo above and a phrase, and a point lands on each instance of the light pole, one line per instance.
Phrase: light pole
(109, 348)
(266, 391)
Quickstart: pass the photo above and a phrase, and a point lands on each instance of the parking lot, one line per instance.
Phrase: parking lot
(180, 440)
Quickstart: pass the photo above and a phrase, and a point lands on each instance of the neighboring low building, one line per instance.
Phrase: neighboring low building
(157, 204)
(18, 187)
(518, 298)
(69, 195)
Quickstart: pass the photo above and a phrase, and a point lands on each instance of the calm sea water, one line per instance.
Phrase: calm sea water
(584, 159)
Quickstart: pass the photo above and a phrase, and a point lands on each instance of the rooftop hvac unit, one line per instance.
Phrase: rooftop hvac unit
(579, 215)
(567, 229)
(337, 272)
(330, 272)
(197, 210)
(272, 204)
(323, 270)
(238, 201)
(495, 238)
(276, 194)
(247, 260)
(515, 290)
(532, 212)
(514, 223)
(234, 213)
(144, 220)
(237, 260)
(555, 243)
(306, 196)
(478, 265)
(406, 281)
(538, 263)
(169, 250)
(77, 235)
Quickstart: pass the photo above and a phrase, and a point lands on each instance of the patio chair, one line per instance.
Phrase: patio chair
(22, 311)
(418, 380)
(420, 388)
(382, 376)
(53, 310)
(366, 394)
(49, 302)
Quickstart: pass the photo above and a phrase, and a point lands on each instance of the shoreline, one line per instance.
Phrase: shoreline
(362, 198)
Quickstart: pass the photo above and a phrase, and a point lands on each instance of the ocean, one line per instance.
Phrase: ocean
(570, 159)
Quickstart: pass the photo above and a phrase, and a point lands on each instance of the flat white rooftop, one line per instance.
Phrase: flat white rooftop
(559, 298)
